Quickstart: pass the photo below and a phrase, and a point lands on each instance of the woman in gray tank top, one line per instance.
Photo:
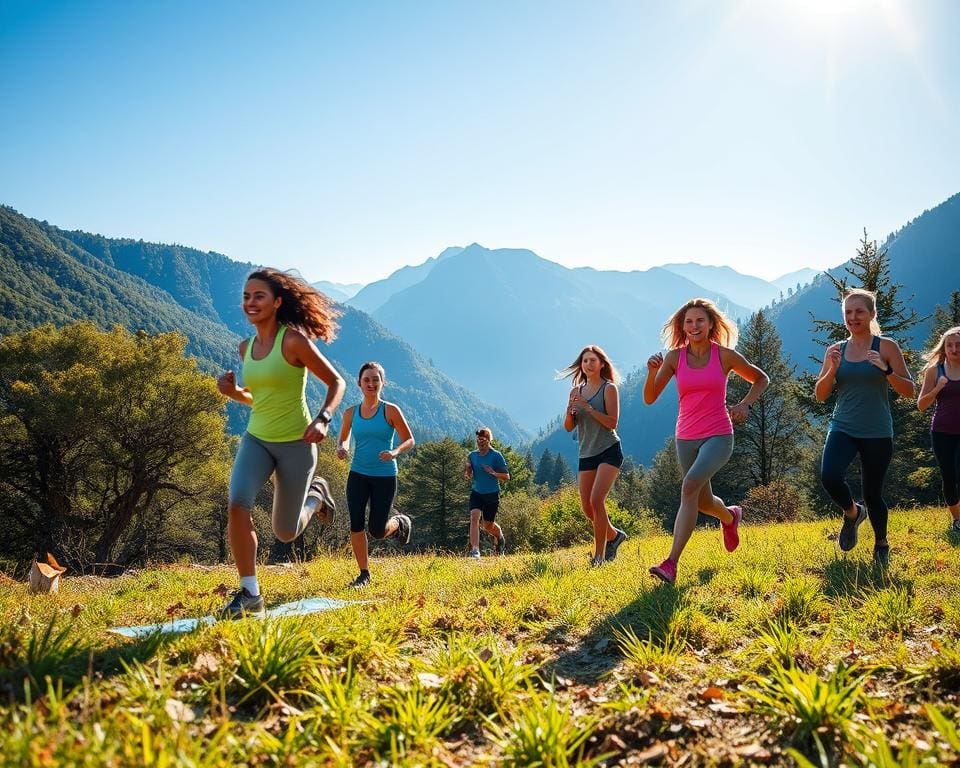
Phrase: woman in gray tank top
(594, 409)
(861, 367)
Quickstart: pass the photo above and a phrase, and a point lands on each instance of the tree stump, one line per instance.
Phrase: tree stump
(45, 577)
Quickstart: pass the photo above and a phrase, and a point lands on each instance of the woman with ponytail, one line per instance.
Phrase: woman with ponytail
(862, 367)
(281, 438)
(941, 385)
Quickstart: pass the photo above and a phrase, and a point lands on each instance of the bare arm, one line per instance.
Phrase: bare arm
(932, 384)
(611, 403)
(828, 373)
(468, 468)
(889, 357)
(299, 350)
(396, 420)
(343, 445)
(660, 370)
(227, 383)
(758, 380)
(570, 417)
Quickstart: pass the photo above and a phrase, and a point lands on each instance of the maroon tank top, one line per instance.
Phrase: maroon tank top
(946, 418)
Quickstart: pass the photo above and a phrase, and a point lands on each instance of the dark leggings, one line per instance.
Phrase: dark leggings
(379, 492)
(947, 450)
(875, 454)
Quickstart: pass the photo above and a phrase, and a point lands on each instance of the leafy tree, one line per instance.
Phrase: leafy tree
(770, 443)
(434, 492)
(103, 436)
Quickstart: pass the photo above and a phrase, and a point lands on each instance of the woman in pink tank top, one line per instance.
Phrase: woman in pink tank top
(701, 355)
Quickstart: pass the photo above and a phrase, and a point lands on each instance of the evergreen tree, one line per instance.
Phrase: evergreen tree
(562, 474)
(544, 474)
(628, 491)
(434, 492)
(769, 445)
(870, 269)
(662, 484)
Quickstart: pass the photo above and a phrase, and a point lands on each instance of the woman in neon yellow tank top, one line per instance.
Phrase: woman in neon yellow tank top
(281, 438)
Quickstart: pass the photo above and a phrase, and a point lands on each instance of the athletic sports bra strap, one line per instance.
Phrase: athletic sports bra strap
(875, 344)
(941, 370)
(384, 406)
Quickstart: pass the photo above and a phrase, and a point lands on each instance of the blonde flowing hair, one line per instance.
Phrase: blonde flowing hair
(723, 330)
(938, 354)
(607, 369)
(869, 299)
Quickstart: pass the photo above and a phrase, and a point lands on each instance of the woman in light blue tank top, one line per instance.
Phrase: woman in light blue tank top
(372, 481)
(593, 408)
(861, 368)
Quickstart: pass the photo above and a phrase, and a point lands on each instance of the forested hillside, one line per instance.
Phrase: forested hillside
(59, 276)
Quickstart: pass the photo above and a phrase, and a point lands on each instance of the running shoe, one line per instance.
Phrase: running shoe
(731, 537)
(363, 580)
(404, 529)
(243, 604)
(475, 554)
(326, 508)
(611, 547)
(955, 526)
(848, 533)
(596, 562)
(500, 546)
(881, 555)
(667, 571)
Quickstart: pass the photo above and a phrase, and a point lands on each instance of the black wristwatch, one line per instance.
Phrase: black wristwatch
(889, 370)
(324, 416)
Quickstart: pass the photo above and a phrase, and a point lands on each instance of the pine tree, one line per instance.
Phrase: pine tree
(544, 472)
(870, 269)
(662, 484)
(434, 492)
(770, 444)
(562, 474)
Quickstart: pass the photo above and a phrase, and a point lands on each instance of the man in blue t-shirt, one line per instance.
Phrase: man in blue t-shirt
(486, 467)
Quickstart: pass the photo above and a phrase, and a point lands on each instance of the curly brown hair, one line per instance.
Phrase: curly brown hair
(302, 306)
(722, 330)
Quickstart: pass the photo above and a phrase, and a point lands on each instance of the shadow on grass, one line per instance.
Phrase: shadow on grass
(597, 652)
(70, 661)
(846, 578)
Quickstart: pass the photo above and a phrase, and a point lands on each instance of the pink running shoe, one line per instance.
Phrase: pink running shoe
(731, 538)
(667, 570)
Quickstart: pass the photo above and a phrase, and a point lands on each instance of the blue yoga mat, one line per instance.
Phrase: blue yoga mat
(298, 608)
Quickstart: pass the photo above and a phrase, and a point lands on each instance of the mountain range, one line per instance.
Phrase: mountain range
(59, 276)
(467, 328)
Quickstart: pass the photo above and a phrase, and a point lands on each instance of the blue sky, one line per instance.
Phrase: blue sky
(347, 139)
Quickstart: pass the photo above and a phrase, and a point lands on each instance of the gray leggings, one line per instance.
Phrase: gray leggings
(702, 459)
(291, 464)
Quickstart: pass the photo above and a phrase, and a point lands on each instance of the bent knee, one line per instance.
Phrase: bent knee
(284, 535)
(689, 489)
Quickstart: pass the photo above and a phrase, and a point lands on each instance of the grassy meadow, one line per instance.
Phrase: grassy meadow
(787, 651)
